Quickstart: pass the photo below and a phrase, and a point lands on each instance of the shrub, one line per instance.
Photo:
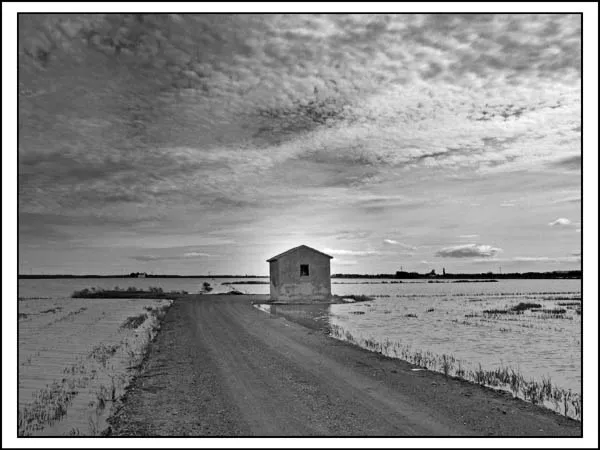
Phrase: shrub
(134, 321)
(525, 306)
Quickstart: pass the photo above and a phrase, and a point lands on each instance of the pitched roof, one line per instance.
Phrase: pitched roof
(276, 257)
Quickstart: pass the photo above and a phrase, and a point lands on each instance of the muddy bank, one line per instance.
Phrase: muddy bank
(221, 367)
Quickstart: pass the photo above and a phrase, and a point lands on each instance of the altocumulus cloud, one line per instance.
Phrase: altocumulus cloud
(303, 94)
(469, 251)
(561, 221)
(352, 252)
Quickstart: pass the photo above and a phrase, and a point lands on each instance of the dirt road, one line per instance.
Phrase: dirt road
(221, 367)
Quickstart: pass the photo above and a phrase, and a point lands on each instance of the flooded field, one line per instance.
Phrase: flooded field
(76, 356)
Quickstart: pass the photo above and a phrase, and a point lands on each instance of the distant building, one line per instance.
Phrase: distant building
(301, 274)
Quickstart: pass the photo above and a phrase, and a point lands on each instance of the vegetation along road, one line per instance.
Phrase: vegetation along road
(220, 367)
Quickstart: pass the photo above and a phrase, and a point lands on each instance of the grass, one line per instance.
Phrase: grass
(103, 352)
(500, 311)
(523, 306)
(133, 322)
(537, 392)
(130, 292)
(356, 298)
(71, 316)
(556, 311)
(50, 405)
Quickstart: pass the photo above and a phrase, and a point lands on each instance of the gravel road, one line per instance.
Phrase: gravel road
(220, 367)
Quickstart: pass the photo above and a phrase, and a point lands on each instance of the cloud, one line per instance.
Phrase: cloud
(328, 119)
(468, 251)
(548, 259)
(468, 236)
(189, 255)
(569, 163)
(352, 252)
(399, 244)
(570, 199)
(351, 235)
(561, 221)
(534, 259)
(195, 254)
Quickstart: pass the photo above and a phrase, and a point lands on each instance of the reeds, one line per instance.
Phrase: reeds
(133, 322)
(506, 378)
(71, 315)
(51, 403)
(103, 352)
(524, 306)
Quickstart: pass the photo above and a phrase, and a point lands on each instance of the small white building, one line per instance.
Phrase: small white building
(300, 274)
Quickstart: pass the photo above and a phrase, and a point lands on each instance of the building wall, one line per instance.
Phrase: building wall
(288, 285)
(274, 279)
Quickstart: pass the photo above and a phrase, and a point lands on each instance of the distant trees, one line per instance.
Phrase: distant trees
(403, 274)
(138, 275)
(566, 274)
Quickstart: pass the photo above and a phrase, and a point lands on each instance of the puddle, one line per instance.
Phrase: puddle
(314, 316)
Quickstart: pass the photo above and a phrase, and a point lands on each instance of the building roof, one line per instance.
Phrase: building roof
(275, 258)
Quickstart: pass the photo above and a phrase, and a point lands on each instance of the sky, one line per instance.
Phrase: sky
(205, 144)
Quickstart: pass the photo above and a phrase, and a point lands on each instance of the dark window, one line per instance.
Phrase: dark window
(303, 270)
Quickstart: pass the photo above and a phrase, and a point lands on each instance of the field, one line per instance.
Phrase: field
(76, 357)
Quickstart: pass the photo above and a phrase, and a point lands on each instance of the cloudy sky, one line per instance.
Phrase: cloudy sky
(189, 144)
